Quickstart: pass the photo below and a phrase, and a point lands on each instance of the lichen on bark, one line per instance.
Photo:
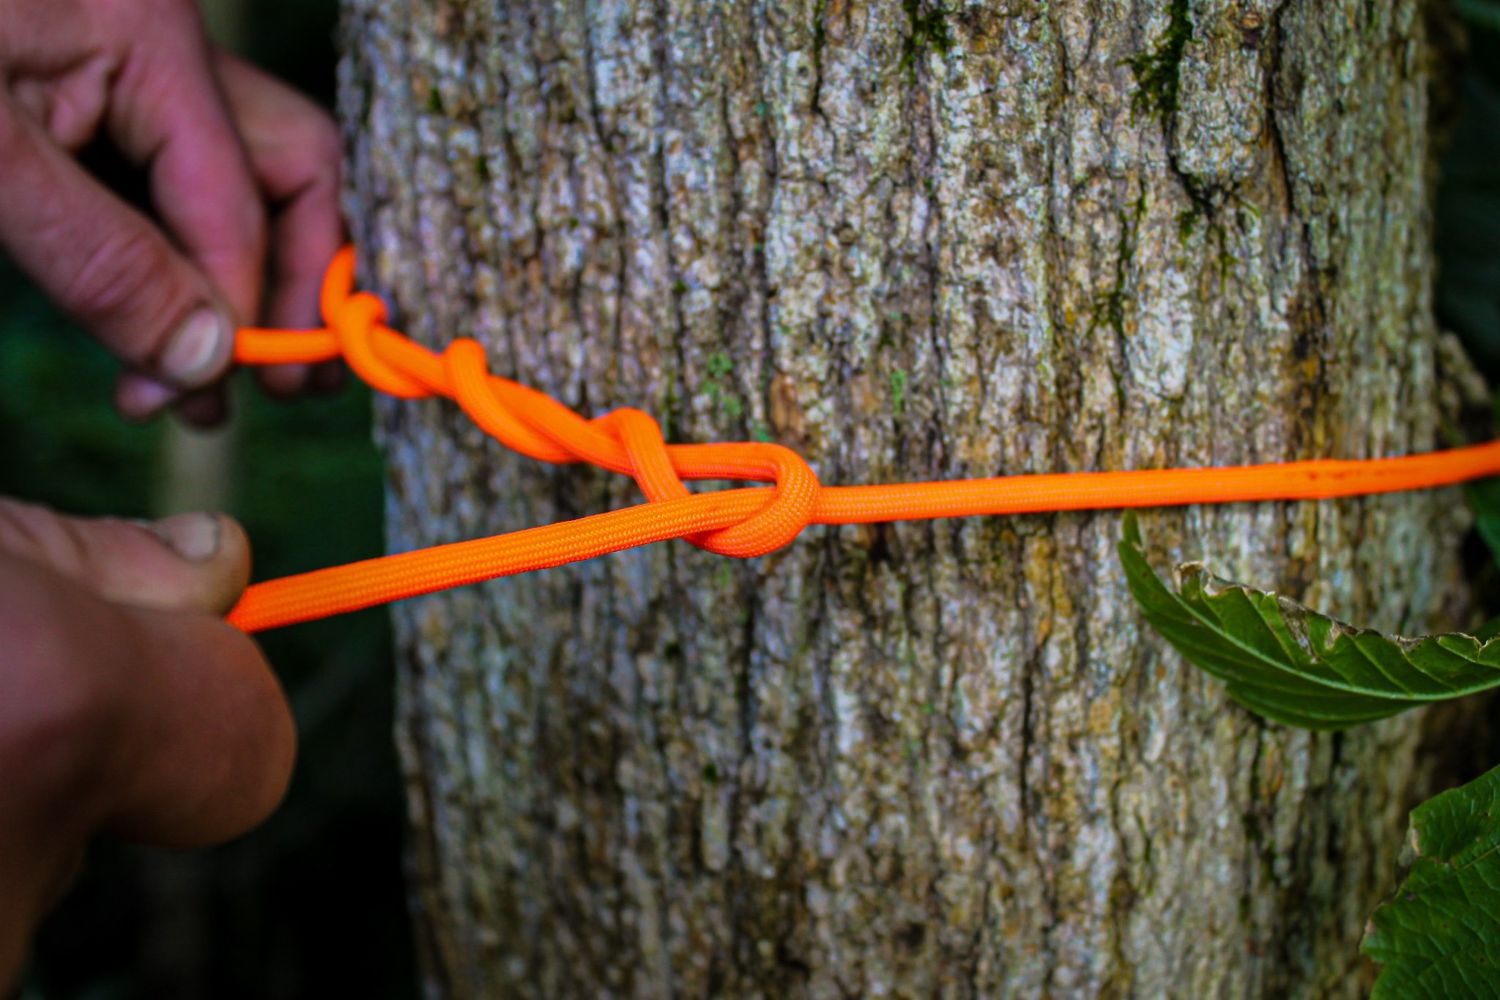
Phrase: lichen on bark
(911, 241)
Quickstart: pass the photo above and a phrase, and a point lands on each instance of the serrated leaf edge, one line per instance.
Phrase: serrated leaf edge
(1138, 571)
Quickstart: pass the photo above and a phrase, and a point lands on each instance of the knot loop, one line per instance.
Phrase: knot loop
(658, 468)
(354, 322)
(630, 441)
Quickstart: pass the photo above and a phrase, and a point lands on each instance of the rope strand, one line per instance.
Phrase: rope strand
(741, 522)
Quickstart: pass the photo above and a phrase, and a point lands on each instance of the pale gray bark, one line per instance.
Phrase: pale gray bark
(910, 242)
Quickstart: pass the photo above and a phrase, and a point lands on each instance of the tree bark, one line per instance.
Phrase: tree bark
(911, 242)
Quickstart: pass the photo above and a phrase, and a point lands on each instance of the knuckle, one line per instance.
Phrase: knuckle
(315, 157)
(116, 282)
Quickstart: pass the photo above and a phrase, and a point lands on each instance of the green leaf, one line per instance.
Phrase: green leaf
(1291, 664)
(1440, 935)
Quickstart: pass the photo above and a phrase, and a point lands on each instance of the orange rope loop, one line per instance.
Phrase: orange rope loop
(741, 522)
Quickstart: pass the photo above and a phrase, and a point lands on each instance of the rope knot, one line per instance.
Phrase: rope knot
(733, 522)
(629, 441)
(626, 440)
(353, 317)
(658, 468)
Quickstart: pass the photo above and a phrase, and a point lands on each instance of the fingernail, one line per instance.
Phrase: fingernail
(195, 537)
(196, 350)
(139, 397)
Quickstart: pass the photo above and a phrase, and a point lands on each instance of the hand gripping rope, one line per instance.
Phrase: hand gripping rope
(743, 522)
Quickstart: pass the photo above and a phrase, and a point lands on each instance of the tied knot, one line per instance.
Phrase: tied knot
(630, 442)
(354, 322)
(659, 470)
(626, 440)
(355, 317)
(733, 522)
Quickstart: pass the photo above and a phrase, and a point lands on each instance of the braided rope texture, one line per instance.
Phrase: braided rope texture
(742, 521)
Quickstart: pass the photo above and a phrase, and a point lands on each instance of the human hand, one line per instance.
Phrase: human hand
(127, 705)
(243, 180)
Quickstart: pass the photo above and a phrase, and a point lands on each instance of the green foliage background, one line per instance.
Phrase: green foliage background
(1468, 202)
(1439, 935)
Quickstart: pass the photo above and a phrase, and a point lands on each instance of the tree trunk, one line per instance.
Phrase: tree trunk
(910, 242)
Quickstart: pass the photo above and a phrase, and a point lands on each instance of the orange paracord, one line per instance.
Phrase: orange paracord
(734, 522)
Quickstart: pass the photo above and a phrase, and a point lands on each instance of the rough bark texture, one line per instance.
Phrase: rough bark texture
(911, 242)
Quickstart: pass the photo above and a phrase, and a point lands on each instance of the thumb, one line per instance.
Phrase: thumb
(106, 263)
(187, 562)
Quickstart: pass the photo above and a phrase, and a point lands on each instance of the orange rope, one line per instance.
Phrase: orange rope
(740, 522)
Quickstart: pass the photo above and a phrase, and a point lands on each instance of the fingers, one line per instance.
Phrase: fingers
(294, 152)
(208, 736)
(163, 726)
(220, 142)
(167, 114)
(189, 562)
(105, 262)
(126, 702)
(71, 107)
(50, 740)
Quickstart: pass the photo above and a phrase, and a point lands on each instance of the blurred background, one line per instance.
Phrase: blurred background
(1468, 202)
(313, 904)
